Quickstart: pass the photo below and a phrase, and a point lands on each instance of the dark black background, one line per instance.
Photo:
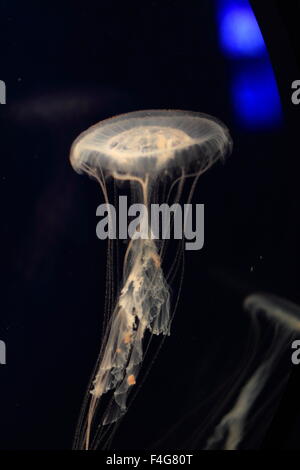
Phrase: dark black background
(66, 66)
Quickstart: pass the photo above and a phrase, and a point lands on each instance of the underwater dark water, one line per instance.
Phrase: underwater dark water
(64, 71)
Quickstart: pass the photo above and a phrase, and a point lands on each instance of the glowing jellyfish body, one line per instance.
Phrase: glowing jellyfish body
(143, 147)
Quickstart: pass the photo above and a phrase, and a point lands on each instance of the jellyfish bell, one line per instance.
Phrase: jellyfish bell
(151, 142)
(277, 309)
(141, 147)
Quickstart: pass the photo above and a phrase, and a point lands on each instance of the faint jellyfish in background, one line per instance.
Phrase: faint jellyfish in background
(282, 318)
(241, 411)
(155, 151)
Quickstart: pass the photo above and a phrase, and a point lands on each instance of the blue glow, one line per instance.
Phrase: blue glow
(239, 32)
(255, 96)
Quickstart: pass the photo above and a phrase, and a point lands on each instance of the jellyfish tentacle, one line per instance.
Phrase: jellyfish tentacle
(143, 304)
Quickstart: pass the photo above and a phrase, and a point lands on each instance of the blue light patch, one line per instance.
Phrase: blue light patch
(255, 96)
(239, 32)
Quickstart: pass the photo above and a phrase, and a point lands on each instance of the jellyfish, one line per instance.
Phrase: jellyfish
(154, 152)
(283, 320)
(242, 409)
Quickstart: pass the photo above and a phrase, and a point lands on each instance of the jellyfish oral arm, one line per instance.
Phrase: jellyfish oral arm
(143, 304)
